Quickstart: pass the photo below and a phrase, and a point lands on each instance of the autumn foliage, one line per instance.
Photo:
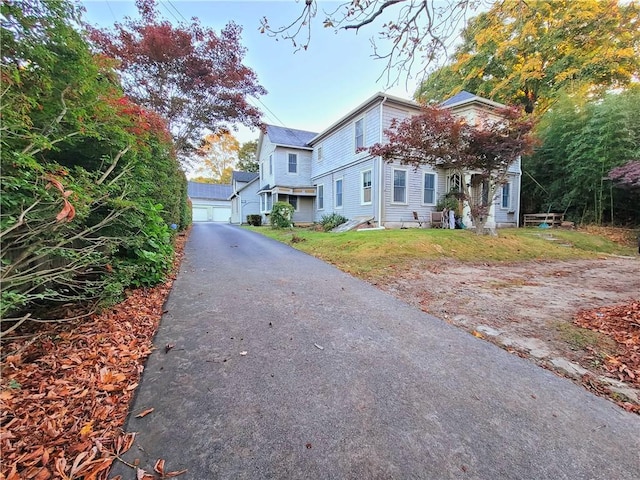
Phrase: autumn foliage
(190, 75)
(438, 138)
(90, 179)
(627, 175)
(622, 324)
(66, 389)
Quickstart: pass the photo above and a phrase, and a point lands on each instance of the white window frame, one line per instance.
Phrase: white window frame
(364, 187)
(393, 189)
(320, 196)
(320, 154)
(335, 192)
(289, 172)
(355, 134)
(502, 197)
(435, 187)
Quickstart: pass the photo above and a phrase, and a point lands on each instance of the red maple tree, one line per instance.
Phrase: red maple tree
(487, 149)
(627, 175)
(189, 74)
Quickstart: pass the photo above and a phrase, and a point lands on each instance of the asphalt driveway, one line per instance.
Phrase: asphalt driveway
(286, 368)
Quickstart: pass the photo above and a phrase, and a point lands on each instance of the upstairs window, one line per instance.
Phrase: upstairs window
(293, 163)
(359, 133)
(366, 187)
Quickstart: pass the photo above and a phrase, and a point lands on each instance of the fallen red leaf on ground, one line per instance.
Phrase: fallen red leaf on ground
(65, 389)
(622, 324)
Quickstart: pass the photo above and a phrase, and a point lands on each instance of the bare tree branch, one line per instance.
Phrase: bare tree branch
(414, 34)
(113, 165)
(373, 16)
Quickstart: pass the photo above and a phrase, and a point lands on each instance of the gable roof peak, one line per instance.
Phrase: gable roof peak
(464, 97)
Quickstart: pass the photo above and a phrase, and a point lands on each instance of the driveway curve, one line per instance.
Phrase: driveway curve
(284, 367)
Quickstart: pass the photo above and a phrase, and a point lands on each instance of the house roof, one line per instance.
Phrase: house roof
(246, 183)
(378, 97)
(465, 97)
(243, 176)
(211, 191)
(289, 137)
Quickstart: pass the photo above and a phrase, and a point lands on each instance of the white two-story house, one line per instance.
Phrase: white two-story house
(329, 172)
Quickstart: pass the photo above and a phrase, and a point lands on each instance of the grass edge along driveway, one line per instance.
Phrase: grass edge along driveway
(375, 254)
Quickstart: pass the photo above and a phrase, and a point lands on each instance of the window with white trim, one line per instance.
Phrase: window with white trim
(359, 133)
(338, 193)
(269, 202)
(270, 164)
(365, 198)
(320, 154)
(429, 189)
(399, 186)
(293, 201)
(506, 196)
(293, 163)
(320, 197)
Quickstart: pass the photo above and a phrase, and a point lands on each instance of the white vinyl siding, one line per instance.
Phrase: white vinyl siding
(359, 133)
(399, 186)
(338, 193)
(366, 183)
(429, 189)
(293, 163)
(320, 197)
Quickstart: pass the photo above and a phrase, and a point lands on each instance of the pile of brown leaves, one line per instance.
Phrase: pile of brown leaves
(622, 236)
(65, 391)
(622, 324)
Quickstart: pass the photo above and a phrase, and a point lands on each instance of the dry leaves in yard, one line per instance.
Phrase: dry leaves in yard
(622, 324)
(65, 393)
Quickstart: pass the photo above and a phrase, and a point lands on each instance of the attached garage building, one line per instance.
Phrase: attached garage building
(210, 202)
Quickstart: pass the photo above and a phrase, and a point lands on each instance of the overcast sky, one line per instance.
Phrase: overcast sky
(308, 90)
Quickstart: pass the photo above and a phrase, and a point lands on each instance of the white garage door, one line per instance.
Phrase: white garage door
(221, 214)
(200, 214)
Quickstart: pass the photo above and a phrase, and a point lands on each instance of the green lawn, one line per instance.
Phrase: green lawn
(372, 254)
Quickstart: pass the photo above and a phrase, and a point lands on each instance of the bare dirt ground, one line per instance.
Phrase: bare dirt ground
(528, 308)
